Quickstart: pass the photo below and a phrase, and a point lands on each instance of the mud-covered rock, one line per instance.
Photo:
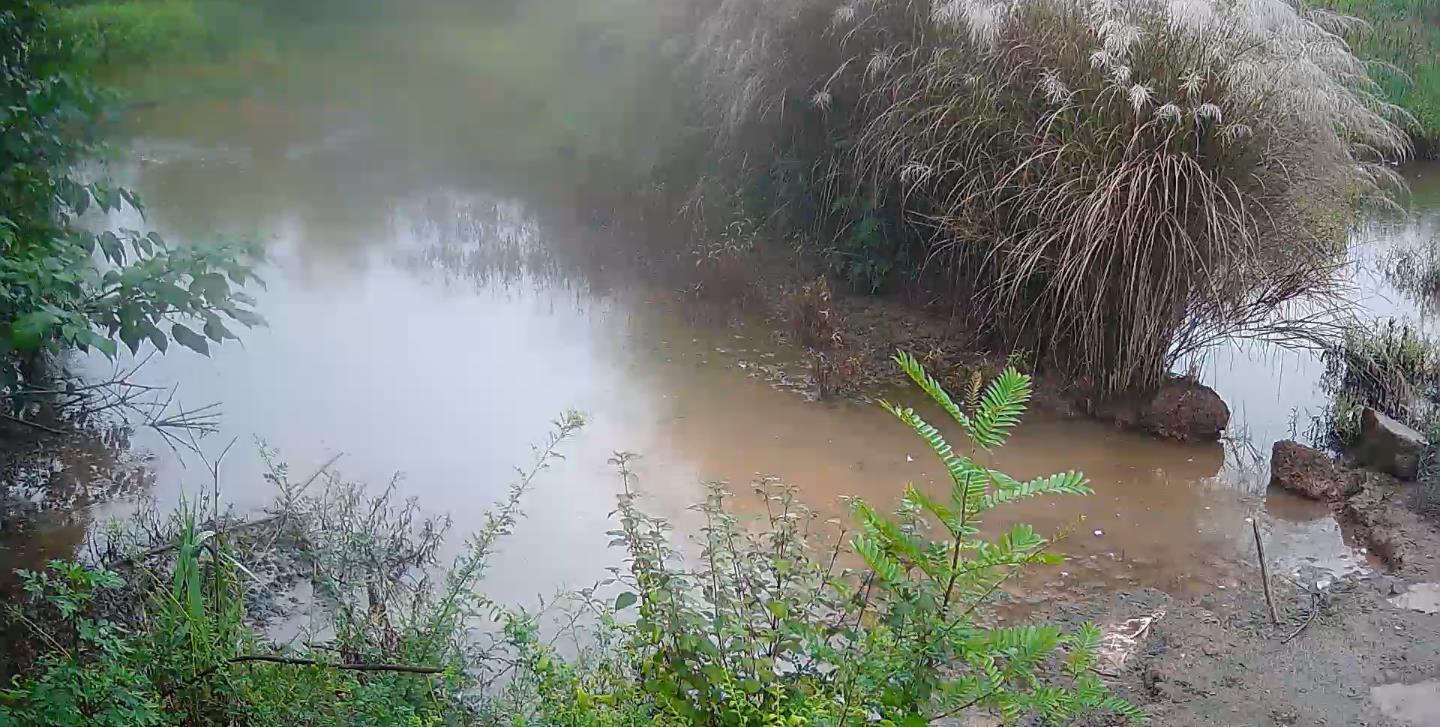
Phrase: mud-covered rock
(1389, 446)
(1186, 409)
(1182, 409)
(1306, 471)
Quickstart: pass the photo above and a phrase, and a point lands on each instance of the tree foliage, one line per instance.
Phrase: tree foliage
(64, 285)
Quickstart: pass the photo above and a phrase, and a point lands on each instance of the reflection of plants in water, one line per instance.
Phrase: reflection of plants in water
(1415, 271)
(479, 240)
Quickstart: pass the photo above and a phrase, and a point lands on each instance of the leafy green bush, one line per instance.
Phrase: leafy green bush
(62, 285)
(136, 31)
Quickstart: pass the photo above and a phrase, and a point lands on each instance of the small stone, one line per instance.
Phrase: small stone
(1098, 533)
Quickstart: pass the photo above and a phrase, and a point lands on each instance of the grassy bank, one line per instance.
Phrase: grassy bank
(1403, 36)
(764, 626)
(1110, 189)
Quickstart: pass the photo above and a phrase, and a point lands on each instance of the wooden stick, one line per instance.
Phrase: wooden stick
(1314, 609)
(327, 664)
(1264, 570)
(36, 425)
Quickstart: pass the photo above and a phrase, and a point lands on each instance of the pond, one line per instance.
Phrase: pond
(421, 324)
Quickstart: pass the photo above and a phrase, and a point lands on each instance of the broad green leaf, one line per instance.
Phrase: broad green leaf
(28, 331)
(213, 286)
(190, 339)
(110, 245)
(625, 600)
(132, 334)
(105, 345)
(157, 337)
(215, 330)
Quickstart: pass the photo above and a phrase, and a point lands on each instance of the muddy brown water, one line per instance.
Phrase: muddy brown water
(416, 326)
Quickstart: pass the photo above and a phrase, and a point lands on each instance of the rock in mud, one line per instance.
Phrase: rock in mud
(1306, 471)
(1389, 446)
(1186, 409)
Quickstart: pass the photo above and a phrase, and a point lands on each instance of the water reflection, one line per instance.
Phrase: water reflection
(421, 320)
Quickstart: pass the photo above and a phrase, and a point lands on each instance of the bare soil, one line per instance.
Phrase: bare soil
(1219, 661)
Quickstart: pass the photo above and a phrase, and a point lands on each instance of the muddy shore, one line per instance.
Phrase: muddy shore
(1361, 650)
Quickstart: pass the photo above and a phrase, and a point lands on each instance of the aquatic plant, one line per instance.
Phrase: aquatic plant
(1391, 368)
(1114, 185)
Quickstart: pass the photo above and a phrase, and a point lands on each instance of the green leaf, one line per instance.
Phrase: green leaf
(110, 245)
(215, 330)
(173, 296)
(190, 339)
(157, 337)
(1000, 408)
(778, 609)
(927, 383)
(213, 286)
(104, 345)
(28, 331)
(625, 600)
(249, 319)
(132, 335)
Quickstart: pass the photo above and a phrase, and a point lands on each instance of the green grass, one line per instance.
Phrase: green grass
(195, 42)
(1404, 36)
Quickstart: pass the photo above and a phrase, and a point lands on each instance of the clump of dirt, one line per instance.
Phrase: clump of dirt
(1382, 517)
(1306, 471)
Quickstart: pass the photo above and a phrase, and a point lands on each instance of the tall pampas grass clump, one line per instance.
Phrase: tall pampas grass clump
(1115, 184)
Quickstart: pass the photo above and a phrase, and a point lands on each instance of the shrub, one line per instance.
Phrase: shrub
(63, 286)
(136, 31)
(767, 626)
(762, 626)
(1116, 184)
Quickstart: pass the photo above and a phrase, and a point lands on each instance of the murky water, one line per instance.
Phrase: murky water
(420, 323)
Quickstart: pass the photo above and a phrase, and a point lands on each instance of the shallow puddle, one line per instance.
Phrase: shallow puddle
(1422, 597)
(1416, 704)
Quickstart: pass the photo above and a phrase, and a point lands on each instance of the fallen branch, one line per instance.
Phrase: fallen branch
(1264, 571)
(36, 425)
(295, 661)
(1314, 609)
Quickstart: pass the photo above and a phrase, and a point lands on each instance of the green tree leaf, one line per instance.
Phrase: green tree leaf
(190, 339)
(29, 331)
